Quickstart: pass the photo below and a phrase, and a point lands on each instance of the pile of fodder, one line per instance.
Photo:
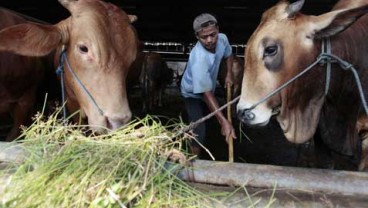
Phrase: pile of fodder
(124, 168)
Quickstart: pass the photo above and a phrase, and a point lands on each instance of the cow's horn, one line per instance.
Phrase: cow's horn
(66, 3)
(132, 18)
(294, 8)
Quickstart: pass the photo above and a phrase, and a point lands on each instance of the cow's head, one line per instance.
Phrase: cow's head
(100, 46)
(285, 43)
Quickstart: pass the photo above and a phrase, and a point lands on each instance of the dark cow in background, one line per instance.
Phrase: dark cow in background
(100, 45)
(286, 42)
(237, 71)
(362, 129)
(20, 77)
(150, 72)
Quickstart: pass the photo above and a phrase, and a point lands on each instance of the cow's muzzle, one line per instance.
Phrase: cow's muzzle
(116, 122)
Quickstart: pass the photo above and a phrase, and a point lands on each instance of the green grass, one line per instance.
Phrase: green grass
(125, 168)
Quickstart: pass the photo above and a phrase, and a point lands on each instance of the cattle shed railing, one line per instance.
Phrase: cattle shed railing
(180, 51)
(347, 183)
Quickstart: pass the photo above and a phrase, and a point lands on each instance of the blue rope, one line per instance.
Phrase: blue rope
(347, 66)
(322, 58)
(60, 71)
(81, 84)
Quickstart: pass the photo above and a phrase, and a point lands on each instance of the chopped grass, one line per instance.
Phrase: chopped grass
(124, 168)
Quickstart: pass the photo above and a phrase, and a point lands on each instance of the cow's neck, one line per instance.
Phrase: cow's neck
(342, 103)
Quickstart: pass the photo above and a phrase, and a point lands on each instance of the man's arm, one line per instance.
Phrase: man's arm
(226, 127)
(229, 73)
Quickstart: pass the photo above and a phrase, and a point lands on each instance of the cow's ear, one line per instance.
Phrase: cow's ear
(132, 18)
(332, 23)
(30, 39)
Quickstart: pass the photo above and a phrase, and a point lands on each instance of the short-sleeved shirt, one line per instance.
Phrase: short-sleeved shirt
(202, 68)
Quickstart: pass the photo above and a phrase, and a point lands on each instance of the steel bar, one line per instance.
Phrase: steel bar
(252, 175)
(268, 176)
(11, 152)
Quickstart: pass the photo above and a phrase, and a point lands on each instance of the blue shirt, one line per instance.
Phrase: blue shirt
(202, 68)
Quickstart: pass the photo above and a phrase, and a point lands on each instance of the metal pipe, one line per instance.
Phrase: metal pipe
(11, 152)
(253, 175)
(268, 176)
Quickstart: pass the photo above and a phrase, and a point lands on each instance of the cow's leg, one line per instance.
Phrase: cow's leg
(22, 113)
(362, 129)
(322, 154)
(145, 99)
(152, 95)
(363, 165)
(159, 97)
(306, 155)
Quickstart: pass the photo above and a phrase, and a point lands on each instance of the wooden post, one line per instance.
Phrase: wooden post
(229, 139)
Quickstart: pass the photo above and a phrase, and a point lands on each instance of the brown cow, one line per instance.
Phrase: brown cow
(285, 43)
(19, 78)
(100, 46)
(237, 70)
(151, 72)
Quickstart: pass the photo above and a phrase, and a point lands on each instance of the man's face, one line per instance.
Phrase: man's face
(208, 37)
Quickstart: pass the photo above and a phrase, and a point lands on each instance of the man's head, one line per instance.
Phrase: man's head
(206, 30)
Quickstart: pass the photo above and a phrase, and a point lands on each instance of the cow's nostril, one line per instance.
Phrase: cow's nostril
(249, 115)
(246, 115)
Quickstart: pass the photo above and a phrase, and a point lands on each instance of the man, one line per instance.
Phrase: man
(199, 80)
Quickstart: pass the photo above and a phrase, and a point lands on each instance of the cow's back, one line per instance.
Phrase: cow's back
(17, 73)
(348, 45)
(19, 79)
(345, 4)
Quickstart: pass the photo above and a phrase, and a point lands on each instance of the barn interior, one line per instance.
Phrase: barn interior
(165, 27)
(171, 21)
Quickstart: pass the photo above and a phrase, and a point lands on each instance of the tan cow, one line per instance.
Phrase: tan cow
(287, 42)
(100, 46)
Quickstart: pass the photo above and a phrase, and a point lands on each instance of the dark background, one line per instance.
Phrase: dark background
(164, 21)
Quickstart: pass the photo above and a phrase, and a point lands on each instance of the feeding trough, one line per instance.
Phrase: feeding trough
(239, 184)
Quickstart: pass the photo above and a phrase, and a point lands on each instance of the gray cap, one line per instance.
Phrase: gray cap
(201, 20)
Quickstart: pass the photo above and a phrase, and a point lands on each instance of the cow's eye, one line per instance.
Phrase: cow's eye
(270, 51)
(83, 48)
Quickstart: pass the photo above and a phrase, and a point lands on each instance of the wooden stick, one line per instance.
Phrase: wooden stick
(230, 139)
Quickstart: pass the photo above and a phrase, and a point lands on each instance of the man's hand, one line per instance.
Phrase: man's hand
(227, 130)
(226, 127)
(229, 80)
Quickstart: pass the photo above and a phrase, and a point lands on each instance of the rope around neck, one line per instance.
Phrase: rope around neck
(60, 71)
